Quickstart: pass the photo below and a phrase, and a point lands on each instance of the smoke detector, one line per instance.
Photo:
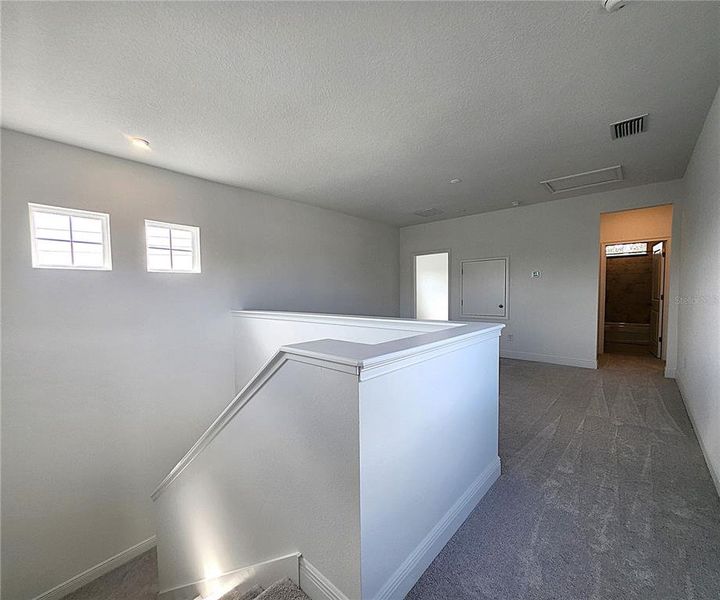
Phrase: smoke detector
(613, 5)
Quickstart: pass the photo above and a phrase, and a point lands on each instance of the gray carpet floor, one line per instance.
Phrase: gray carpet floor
(604, 494)
(135, 580)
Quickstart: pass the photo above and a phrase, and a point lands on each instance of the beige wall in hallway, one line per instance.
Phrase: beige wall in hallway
(637, 225)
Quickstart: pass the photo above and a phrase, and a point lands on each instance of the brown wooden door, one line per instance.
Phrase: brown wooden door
(656, 298)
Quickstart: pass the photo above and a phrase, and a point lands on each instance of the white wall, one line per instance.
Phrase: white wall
(699, 296)
(553, 318)
(109, 377)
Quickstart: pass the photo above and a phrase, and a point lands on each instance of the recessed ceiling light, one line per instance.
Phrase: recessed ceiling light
(455, 180)
(139, 142)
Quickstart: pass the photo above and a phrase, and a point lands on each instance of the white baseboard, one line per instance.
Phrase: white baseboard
(713, 474)
(407, 574)
(316, 585)
(263, 573)
(550, 358)
(100, 569)
(670, 372)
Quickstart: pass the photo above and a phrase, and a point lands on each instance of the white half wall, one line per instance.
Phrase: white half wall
(429, 452)
(259, 334)
(552, 318)
(109, 377)
(699, 297)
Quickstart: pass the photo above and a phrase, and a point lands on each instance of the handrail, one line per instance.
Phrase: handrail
(351, 357)
(236, 404)
(240, 399)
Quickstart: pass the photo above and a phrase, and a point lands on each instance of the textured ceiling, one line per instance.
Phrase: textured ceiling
(369, 108)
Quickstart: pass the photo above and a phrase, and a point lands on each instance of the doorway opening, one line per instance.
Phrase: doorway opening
(432, 286)
(634, 275)
(634, 282)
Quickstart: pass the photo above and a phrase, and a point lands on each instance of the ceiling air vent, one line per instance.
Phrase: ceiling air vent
(629, 127)
(584, 180)
(429, 212)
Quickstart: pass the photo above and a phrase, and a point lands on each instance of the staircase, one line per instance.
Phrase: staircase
(319, 470)
(280, 590)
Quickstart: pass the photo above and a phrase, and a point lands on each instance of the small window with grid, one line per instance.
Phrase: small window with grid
(66, 238)
(631, 249)
(172, 248)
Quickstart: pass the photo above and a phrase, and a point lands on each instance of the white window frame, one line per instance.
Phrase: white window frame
(194, 231)
(104, 219)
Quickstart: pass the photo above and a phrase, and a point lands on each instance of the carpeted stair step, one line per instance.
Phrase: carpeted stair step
(236, 594)
(283, 590)
(280, 590)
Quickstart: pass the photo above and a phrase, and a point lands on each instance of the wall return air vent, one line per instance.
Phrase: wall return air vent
(588, 179)
(428, 212)
(629, 127)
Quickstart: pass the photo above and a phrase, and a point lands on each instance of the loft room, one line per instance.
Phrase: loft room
(360, 300)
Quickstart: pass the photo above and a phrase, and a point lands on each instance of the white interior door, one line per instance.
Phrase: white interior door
(432, 286)
(484, 287)
(656, 298)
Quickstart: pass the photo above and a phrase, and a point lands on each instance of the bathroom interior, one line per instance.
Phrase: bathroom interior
(635, 280)
(628, 300)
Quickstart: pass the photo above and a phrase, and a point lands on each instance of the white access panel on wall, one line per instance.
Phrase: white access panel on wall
(484, 287)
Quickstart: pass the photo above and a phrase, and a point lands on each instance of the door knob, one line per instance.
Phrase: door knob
(500, 305)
